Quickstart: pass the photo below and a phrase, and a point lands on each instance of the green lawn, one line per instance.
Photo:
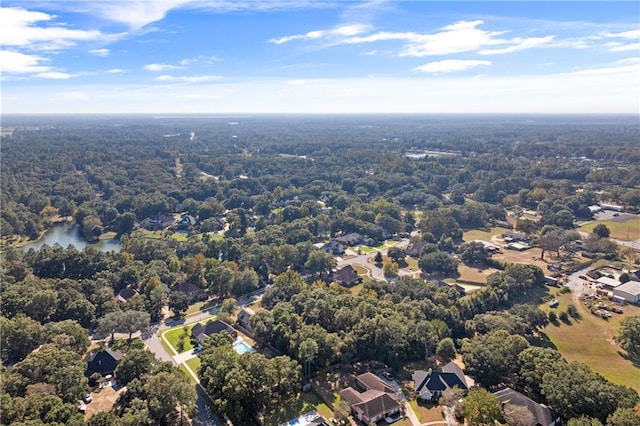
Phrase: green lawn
(194, 364)
(366, 249)
(186, 372)
(178, 236)
(590, 340)
(201, 306)
(173, 335)
(627, 231)
(295, 407)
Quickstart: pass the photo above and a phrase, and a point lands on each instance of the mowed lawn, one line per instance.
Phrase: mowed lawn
(628, 230)
(590, 340)
(173, 336)
(479, 234)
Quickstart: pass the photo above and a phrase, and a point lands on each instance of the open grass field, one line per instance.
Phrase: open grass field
(474, 274)
(590, 340)
(627, 230)
(479, 234)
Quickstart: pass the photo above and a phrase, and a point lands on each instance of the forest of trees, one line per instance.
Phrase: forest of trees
(280, 186)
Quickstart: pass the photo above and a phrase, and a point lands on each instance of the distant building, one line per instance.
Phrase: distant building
(350, 240)
(125, 294)
(415, 249)
(244, 317)
(512, 236)
(430, 385)
(608, 283)
(517, 246)
(192, 291)
(542, 415)
(629, 291)
(346, 276)
(202, 331)
(376, 401)
(612, 207)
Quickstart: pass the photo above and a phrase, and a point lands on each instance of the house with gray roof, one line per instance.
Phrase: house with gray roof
(542, 415)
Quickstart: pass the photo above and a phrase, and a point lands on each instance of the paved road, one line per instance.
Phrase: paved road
(366, 261)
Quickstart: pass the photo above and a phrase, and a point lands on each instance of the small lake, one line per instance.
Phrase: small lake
(70, 234)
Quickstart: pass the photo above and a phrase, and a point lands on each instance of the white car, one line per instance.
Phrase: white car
(87, 398)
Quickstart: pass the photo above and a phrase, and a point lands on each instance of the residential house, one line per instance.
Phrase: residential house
(512, 236)
(192, 291)
(542, 415)
(333, 247)
(125, 294)
(346, 276)
(158, 222)
(430, 385)
(244, 317)
(415, 249)
(186, 222)
(103, 362)
(629, 291)
(503, 224)
(350, 240)
(202, 331)
(376, 401)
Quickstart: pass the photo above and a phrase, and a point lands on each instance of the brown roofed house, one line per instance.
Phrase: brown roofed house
(192, 291)
(377, 401)
(346, 276)
(542, 415)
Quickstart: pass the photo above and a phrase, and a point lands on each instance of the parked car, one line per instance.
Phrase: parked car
(387, 376)
(87, 398)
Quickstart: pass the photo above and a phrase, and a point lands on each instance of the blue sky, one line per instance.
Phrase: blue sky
(219, 56)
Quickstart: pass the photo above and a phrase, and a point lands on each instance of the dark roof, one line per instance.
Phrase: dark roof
(103, 362)
(126, 293)
(437, 382)
(202, 331)
(345, 276)
(542, 414)
(415, 249)
(187, 288)
(349, 239)
(453, 368)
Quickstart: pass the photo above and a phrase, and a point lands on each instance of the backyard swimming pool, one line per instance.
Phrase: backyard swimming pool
(241, 347)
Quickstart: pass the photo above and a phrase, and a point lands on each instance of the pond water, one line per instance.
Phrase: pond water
(70, 234)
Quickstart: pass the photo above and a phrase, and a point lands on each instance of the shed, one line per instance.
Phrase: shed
(608, 283)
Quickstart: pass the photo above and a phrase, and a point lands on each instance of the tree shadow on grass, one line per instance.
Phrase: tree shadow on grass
(634, 359)
(543, 341)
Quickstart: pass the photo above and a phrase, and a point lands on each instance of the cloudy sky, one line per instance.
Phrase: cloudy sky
(272, 56)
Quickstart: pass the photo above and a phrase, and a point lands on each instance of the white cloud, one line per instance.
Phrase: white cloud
(188, 79)
(161, 67)
(20, 29)
(341, 31)
(135, 13)
(520, 44)
(459, 37)
(56, 75)
(16, 62)
(450, 65)
(619, 47)
(100, 52)
(115, 71)
(633, 34)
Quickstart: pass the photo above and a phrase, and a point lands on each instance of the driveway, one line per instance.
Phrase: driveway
(366, 261)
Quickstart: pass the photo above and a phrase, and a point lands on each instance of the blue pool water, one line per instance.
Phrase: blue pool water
(241, 347)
